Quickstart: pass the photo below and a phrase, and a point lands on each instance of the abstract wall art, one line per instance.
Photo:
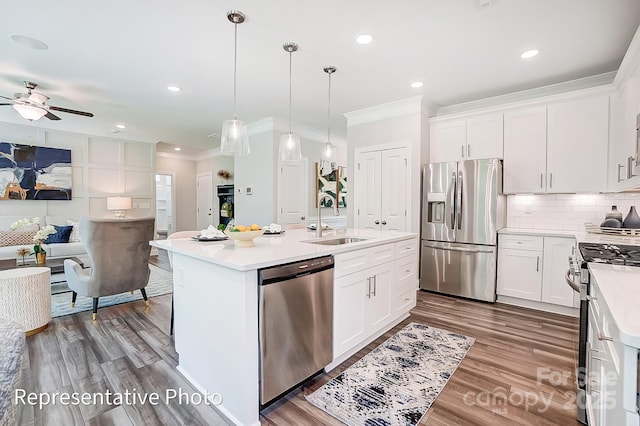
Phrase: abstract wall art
(34, 172)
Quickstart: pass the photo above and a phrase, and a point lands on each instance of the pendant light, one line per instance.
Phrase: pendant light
(234, 139)
(289, 150)
(328, 151)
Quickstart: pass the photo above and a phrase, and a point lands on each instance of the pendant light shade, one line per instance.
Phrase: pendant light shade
(289, 149)
(328, 151)
(234, 139)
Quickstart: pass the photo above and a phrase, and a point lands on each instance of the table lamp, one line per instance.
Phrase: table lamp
(119, 204)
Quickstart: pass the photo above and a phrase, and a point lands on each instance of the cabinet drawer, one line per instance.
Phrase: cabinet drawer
(406, 300)
(353, 261)
(520, 242)
(407, 272)
(407, 247)
(381, 254)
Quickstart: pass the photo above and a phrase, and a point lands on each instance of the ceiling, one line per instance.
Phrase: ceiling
(115, 58)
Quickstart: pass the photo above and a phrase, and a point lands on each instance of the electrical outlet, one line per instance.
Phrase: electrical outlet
(145, 205)
(248, 190)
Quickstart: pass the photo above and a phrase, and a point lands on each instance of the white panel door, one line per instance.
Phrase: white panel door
(525, 151)
(484, 136)
(368, 183)
(577, 145)
(394, 190)
(554, 288)
(204, 200)
(520, 274)
(448, 140)
(293, 197)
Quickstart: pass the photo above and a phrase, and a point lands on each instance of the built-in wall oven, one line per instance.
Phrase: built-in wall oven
(578, 277)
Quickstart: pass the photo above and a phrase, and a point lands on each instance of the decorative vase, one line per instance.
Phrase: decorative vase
(614, 214)
(41, 258)
(632, 220)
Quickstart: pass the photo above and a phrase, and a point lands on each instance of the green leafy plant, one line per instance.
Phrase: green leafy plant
(41, 235)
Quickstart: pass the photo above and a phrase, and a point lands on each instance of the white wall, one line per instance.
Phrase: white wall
(184, 171)
(101, 167)
(213, 164)
(567, 212)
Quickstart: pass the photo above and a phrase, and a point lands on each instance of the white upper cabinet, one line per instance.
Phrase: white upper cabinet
(577, 145)
(472, 138)
(525, 151)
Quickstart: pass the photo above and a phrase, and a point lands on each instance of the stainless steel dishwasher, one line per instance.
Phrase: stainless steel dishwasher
(296, 323)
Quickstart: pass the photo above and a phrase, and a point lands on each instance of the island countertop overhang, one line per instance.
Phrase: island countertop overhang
(271, 250)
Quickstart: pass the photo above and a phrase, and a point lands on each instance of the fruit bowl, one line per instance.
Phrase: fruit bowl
(244, 239)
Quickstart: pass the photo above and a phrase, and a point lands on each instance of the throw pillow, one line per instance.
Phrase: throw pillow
(17, 238)
(75, 233)
(61, 236)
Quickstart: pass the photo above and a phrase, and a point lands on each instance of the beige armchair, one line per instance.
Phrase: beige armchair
(119, 252)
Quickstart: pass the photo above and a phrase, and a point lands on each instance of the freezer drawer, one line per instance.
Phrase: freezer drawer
(465, 270)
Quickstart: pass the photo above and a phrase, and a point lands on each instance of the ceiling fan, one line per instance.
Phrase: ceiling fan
(31, 105)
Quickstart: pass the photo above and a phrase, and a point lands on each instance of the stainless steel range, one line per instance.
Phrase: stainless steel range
(578, 278)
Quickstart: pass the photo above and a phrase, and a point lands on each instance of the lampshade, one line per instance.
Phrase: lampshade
(289, 150)
(119, 204)
(29, 112)
(234, 139)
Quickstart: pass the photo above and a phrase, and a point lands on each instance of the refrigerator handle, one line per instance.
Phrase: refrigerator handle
(458, 205)
(451, 199)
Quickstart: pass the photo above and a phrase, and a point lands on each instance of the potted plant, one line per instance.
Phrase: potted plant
(39, 238)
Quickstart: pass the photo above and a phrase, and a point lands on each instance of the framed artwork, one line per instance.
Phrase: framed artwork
(34, 172)
(331, 180)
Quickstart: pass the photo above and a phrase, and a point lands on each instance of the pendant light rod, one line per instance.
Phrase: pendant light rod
(329, 70)
(290, 47)
(236, 17)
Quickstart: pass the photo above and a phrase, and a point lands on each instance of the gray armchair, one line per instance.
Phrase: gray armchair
(119, 251)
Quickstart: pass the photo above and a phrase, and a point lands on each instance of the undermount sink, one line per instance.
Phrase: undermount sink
(336, 241)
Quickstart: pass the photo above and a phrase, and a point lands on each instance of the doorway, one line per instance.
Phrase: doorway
(204, 200)
(165, 204)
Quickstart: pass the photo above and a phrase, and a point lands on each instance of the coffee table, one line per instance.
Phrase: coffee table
(56, 265)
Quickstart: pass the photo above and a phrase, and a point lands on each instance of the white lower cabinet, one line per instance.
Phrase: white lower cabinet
(533, 268)
(373, 287)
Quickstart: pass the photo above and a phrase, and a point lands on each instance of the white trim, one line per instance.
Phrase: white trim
(173, 198)
(629, 63)
(502, 107)
(381, 147)
(176, 156)
(540, 306)
(546, 94)
(384, 111)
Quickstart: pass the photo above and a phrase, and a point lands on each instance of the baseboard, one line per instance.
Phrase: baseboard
(540, 306)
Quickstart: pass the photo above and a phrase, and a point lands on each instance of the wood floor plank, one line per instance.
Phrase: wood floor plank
(114, 417)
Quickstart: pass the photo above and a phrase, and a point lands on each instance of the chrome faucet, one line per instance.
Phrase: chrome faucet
(321, 197)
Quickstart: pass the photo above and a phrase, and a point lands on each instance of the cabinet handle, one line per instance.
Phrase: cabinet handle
(537, 263)
(462, 151)
(407, 270)
(620, 166)
(384, 222)
(603, 337)
(377, 222)
(368, 287)
(468, 150)
(550, 180)
(630, 167)
(375, 281)
(541, 177)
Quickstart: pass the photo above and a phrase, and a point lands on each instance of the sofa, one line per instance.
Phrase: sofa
(8, 250)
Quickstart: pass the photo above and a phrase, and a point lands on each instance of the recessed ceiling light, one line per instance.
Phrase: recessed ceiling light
(121, 126)
(529, 53)
(364, 39)
(177, 148)
(416, 84)
(29, 42)
(174, 88)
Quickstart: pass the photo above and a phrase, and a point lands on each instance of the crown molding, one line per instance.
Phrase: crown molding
(384, 111)
(177, 156)
(630, 62)
(525, 95)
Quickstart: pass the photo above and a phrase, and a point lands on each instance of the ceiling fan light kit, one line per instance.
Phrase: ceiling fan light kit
(289, 149)
(234, 139)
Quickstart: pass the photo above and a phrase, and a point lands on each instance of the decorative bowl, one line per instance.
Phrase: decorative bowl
(244, 239)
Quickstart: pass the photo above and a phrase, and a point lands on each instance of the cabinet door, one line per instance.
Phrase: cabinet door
(379, 296)
(520, 274)
(394, 190)
(368, 189)
(577, 145)
(485, 136)
(448, 141)
(349, 304)
(554, 288)
(525, 152)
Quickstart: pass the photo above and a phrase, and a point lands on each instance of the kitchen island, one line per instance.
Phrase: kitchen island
(216, 304)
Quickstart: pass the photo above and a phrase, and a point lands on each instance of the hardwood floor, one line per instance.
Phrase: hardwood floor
(520, 370)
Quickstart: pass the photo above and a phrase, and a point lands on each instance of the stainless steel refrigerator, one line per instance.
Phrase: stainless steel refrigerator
(462, 210)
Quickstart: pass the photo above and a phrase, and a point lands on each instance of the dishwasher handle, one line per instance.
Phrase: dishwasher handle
(289, 271)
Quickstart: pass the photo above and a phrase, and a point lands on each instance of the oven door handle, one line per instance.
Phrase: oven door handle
(569, 281)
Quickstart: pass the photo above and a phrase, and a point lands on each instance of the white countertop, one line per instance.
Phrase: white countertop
(271, 250)
(620, 288)
(580, 236)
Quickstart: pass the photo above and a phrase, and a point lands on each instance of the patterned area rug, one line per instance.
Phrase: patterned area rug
(396, 383)
(160, 282)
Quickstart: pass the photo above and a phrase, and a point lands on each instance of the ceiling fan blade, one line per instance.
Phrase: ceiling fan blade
(51, 116)
(6, 104)
(4, 97)
(71, 111)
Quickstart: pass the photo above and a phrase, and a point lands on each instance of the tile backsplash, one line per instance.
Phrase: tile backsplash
(568, 212)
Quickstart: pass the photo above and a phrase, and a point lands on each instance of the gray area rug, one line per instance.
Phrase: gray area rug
(397, 382)
(160, 282)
